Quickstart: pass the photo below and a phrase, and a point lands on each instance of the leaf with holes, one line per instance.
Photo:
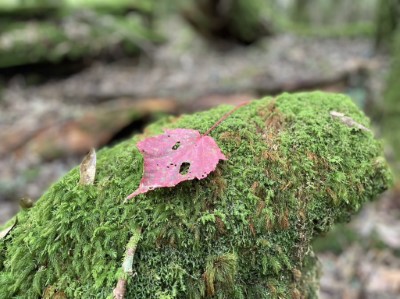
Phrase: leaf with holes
(175, 156)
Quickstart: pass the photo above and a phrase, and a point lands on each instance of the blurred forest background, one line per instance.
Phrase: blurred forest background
(76, 74)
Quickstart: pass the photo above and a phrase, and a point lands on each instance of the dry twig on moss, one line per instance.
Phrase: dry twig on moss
(348, 121)
(120, 289)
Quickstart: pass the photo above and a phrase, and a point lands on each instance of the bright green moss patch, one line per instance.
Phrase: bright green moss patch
(243, 232)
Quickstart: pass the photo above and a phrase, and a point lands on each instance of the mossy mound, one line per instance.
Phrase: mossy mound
(242, 232)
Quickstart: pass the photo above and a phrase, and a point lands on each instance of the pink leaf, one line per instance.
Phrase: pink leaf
(175, 156)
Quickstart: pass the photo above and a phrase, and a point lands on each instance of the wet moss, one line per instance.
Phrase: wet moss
(243, 232)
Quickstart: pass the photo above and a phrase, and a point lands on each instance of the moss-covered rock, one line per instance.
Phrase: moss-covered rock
(242, 232)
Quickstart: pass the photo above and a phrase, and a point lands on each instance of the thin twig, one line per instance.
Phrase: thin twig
(120, 289)
(348, 121)
(225, 116)
(6, 231)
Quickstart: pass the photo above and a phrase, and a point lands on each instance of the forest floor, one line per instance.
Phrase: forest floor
(45, 129)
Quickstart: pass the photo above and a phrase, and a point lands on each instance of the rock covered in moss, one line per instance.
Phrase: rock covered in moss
(243, 232)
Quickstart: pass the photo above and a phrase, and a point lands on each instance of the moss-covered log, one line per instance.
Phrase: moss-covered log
(52, 32)
(240, 21)
(293, 171)
(28, 9)
(77, 36)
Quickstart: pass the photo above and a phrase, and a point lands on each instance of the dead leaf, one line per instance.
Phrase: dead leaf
(88, 168)
(175, 156)
(179, 155)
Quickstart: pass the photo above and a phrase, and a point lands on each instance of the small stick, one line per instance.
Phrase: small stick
(120, 289)
(225, 116)
(6, 231)
(88, 168)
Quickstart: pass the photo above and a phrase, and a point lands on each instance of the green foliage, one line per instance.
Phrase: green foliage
(28, 8)
(336, 240)
(94, 34)
(19, 6)
(242, 232)
(220, 273)
(113, 6)
(241, 21)
(36, 32)
(387, 21)
(391, 113)
(339, 18)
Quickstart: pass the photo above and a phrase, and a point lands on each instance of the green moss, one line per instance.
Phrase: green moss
(72, 35)
(146, 6)
(34, 8)
(242, 232)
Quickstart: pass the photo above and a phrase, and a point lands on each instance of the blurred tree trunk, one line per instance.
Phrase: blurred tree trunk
(387, 21)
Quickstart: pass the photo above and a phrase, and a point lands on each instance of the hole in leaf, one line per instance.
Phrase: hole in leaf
(184, 169)
(176, 146)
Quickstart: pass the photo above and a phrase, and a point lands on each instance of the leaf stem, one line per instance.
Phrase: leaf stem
(225, 116)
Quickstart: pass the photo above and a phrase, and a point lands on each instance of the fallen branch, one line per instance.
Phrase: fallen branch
(127, 265)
